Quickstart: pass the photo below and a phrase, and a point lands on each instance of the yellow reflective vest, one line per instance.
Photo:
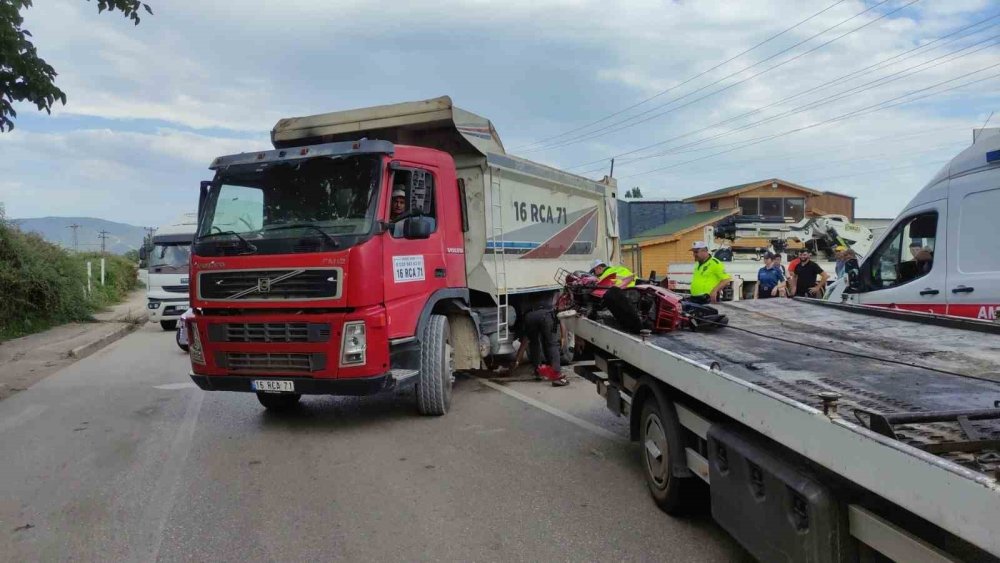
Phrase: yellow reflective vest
(623, 276)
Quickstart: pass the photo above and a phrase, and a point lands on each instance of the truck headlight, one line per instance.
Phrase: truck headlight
(352, 348)
(194, 348)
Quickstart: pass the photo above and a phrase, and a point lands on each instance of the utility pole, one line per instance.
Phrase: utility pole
(149, 236)
(103, 235)
(76, 241)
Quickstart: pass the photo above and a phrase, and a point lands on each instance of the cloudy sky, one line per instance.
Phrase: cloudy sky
(867, 103)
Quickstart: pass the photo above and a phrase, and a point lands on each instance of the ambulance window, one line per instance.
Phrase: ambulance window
(977, 233)
(906, 254)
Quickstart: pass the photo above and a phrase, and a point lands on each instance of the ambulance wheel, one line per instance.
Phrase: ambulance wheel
(437, 363)
(279, 401)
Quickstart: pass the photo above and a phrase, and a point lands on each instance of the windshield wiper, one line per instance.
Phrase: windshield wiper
(333, 242)
(248, 245)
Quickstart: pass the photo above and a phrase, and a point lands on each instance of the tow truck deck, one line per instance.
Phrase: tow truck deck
(896, 416)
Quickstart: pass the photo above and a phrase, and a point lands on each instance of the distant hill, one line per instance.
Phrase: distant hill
(121, 237)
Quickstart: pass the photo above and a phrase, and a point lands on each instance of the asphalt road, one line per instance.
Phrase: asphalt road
(119, 457)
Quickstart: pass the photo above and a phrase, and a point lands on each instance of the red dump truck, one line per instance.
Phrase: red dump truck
(306, 280)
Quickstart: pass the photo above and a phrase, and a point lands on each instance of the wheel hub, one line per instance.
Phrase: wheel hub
(655, 451)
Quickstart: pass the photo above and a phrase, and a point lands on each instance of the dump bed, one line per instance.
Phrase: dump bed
(908, 388)
(526, 220)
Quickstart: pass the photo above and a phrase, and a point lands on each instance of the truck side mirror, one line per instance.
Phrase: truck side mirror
(143, 253)
(418, 227)
(202, 196)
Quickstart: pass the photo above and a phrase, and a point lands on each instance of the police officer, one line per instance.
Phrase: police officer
(542, 332)
(623, 276)
(615, 298)
(710, 276)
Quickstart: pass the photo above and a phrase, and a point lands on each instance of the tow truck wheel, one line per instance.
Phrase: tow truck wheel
(667, 491)
(168, 325)
(279, 401)
(437, 361)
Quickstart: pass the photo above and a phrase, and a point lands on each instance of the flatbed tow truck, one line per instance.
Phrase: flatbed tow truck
(825, 431)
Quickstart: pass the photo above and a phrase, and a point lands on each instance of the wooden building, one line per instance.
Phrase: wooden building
(775, 198)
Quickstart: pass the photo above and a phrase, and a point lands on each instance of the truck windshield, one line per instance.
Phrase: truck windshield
(277, 206)
(170, 257)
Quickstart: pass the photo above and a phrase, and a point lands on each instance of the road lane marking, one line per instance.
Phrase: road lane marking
(29, 412)
(173, 386)
(161, 501)
(593, 428)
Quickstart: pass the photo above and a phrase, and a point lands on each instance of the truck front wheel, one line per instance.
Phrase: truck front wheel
(279, 402)
(436, 368)
(667, 490)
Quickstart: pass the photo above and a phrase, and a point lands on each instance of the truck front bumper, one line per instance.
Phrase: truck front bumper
(303, 385)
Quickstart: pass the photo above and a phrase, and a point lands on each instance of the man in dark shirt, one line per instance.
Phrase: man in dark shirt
(804, 278)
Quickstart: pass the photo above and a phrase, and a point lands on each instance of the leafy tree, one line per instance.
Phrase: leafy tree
(636, 192)
(628, 194)
(26, 77)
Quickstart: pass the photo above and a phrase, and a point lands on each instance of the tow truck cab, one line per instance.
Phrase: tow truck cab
(333, 310)
(942, 254)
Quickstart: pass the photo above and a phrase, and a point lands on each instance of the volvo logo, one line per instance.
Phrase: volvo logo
(264, 284)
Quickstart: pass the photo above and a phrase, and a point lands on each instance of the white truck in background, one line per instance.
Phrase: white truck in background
(942, 253)
(169, 260)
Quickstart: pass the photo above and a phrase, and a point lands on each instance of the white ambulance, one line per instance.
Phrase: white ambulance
(942, 254)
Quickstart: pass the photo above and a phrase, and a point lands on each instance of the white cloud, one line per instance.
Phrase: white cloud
(536, 67)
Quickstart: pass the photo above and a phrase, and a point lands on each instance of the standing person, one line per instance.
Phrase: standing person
(852, 269)
(839, 254)
(808, 279)
(542, 331)
(770, 278)
(709, 278)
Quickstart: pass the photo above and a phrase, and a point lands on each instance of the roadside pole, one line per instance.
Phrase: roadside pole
(89, 273)
(102, 270)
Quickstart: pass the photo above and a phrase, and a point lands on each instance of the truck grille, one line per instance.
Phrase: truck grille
(175, 288)
(269, 332)
(268, 285)
(271, 363)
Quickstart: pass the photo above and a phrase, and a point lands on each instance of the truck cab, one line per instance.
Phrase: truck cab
(167, 281)
(942, 254)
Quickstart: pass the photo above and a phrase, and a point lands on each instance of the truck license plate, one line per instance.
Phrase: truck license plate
(273, 386)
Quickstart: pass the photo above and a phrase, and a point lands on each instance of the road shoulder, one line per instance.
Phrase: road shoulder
(27, 360)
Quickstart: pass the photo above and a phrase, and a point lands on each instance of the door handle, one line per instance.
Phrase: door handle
(962, 289)
(929, 291)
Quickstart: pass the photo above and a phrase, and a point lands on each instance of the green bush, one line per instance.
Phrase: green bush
(42, 285)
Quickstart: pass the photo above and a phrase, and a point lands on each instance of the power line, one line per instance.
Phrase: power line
(854, 74)
(806, 107)
(695, 77)
(870, 172)
(625, 124)
(869, 109)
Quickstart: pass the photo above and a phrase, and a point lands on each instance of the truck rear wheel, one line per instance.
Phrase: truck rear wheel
(279, 401)
(436, 368)
(667, 490)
